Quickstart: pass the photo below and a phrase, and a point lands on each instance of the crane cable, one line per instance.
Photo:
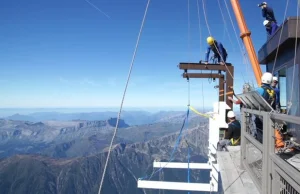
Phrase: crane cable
(128, 78)
(237, 38)
(200, 34)
(187, 114)
(295, 57)
(205, 17)
(225, 25)
(282, 26)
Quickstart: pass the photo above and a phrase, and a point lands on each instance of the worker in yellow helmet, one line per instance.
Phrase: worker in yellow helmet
(218, 49)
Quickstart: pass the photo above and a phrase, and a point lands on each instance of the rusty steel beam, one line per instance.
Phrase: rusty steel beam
(201, 66)
(221, 89)
(229, 86)
(202, 75)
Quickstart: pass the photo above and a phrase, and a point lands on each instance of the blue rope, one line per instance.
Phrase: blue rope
(188, 165)
(175, 147)
(187, 127)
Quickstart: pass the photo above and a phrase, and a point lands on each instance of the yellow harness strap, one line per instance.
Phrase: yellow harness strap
(234, 142)
(201, 114)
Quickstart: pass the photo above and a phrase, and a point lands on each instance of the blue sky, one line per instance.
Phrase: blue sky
(66, 53)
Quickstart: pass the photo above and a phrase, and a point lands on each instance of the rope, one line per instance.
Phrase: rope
(200, 34)
(189, 27)
(237, 38)
(189, 48)
(282, 26)
(174, 149)
(225, 25)
(205, 17)
(128, 78)
(188, 165)
(97, 8)
(295, 57)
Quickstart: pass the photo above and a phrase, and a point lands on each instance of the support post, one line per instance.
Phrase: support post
(221, 89)
(229, 85)
(243, 139)
(265, 158)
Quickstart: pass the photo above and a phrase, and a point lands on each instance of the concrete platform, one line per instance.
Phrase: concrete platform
(234, 179)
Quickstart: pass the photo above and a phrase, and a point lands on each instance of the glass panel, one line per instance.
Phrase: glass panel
(292, 94)
(282, 87)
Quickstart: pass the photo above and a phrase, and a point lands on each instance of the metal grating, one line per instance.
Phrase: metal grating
(254, 161)
(286, 188)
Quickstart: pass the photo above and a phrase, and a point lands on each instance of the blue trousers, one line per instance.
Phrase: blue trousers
(272, 29)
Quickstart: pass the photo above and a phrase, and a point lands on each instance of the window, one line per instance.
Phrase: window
(292, 95)
(282, 88)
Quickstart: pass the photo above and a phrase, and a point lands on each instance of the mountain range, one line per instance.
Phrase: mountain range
(131, 117)
(68, 156)
(39, 174)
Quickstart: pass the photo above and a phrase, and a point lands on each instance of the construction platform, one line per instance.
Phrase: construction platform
(234, 179)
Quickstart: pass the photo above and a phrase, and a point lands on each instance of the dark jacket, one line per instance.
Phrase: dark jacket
(233, 131)
(268, 13)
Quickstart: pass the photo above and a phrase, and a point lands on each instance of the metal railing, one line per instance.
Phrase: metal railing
(270, 172)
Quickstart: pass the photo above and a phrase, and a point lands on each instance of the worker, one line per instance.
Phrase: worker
(271, 27)
(219, 51)
(232, 133)
(267, 12)
(269, 94)
(266, 91)
(277, 91)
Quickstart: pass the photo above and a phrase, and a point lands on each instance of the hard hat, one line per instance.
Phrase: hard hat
(267, 78)
(230, 114)
(275, 79)
(266, 22)
(263, 3)
(210, 40)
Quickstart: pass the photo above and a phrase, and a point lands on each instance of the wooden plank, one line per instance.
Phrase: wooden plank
(179, 186)
(181, 165)
(201, 66)
(202, 75)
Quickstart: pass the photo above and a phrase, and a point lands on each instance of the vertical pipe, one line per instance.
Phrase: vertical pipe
(221, 89)
(245, 35)
(229, 86)
(243, 139)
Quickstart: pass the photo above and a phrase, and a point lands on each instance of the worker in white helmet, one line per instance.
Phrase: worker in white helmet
(277, 91)
(269, 94)
(232, 133)
(271, 27)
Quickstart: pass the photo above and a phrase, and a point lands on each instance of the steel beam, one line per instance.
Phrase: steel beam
(202, 75)
(181, 165)
(202, 66)
(221, 89)
(178, 186)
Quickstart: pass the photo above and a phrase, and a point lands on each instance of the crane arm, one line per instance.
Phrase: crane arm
(245, 35)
